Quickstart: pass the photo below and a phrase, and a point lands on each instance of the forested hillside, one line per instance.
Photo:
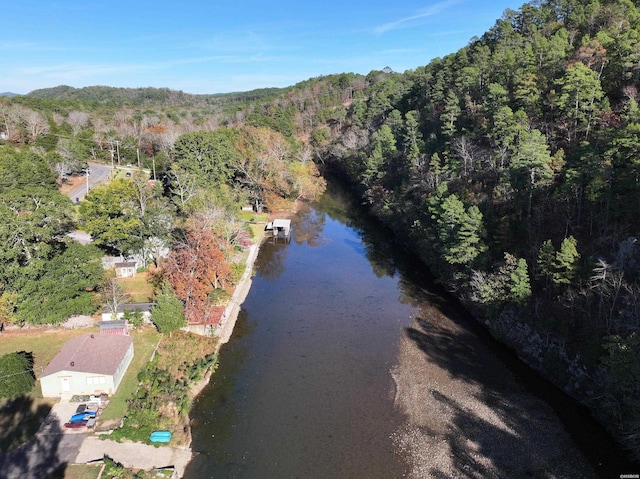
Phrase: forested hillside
(173, 200)
(511, 166)
(150, 96)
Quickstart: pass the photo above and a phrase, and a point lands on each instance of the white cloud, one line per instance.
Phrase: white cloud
(411, 20)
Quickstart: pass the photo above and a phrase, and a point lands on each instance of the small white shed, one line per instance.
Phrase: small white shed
(143, 308)
(280, 229)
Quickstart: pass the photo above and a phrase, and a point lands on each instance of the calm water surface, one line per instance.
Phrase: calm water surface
(303, 388)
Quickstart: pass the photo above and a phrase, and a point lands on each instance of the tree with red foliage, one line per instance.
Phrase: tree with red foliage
(195, 269)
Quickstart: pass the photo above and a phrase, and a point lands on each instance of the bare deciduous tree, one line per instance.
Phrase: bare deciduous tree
(466, 151)
(78, 120)
(183, 186)
(35, 123)
(113, 296)
(609, 283)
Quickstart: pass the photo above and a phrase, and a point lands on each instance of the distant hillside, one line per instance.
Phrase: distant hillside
(149, 95)
(9, 94)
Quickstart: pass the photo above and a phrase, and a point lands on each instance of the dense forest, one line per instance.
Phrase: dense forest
(511, 166)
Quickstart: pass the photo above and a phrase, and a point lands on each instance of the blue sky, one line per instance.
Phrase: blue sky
(218, 47)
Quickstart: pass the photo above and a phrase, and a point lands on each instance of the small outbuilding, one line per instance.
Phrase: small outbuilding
(125, 269)
(90, 364)
(119, 326)
(142, 308)
(280, 229)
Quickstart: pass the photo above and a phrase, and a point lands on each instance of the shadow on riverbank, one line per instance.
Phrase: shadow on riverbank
(500, 414)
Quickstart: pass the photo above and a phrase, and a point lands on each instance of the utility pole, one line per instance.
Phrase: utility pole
(118, 150)
(87, 170)
(112, 151)
(153, 159)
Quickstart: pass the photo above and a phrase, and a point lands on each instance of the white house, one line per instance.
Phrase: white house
(110, 261)
(125, 269)
(144, 308)
(88, 365)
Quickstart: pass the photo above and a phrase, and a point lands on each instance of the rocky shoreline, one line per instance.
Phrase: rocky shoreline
(467, 415)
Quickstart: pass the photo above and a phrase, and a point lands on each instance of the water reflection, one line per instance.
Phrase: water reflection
(270, 263)
(306, 392)
(220, 412)
(345, 363)
(308, 225)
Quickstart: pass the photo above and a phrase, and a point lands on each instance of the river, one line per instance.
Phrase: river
(345, 362)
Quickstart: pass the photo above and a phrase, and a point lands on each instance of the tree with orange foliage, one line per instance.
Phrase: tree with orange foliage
(195, 269)
(267, 168)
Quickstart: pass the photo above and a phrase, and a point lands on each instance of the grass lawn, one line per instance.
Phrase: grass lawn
(20, 420)
(144, 343)
(44, 343)
(257, 231)
(137, 288)
(256, 222)
(120, 172)
(78, 471)
(253, 217)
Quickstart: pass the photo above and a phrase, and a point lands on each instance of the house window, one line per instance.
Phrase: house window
(95, 380)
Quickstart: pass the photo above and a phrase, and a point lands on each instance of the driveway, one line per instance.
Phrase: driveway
(54, 446)
(51, 447)
(41, 456)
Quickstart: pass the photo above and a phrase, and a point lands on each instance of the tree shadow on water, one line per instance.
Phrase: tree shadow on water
(41, 454)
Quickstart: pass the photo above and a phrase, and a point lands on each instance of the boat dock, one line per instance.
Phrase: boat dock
(279, 229)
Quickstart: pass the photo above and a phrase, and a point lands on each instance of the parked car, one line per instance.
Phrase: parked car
(75, 424)
(81, 408)
(82, 416)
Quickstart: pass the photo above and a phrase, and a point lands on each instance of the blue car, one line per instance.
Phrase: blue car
(82, 416)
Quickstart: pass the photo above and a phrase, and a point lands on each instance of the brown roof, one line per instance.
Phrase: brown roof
(115, 324)
(90, 353)
(125, 264)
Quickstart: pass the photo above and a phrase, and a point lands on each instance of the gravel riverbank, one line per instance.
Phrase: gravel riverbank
(467, 416)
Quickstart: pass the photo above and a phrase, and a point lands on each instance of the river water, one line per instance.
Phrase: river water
(345, 364)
